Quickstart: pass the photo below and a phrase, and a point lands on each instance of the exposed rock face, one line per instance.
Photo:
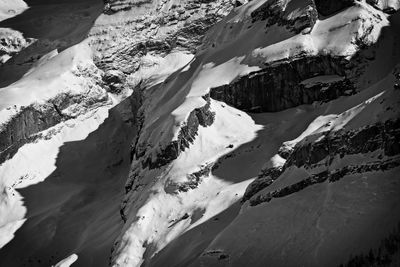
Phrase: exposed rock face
(194, 179)
(198, 117)
(29, 121)
(295, 15)
(115, 80)
(192, 158)
(308, 154)
(11, 42)
(153, 27)
(280, 86)
(370, 138)
(388, 6)
(112, 7)
(263, 180)
(331, 176)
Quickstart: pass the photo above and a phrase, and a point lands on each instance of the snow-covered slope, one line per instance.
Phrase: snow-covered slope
(205, 133)
(64, 96)
(176, 113)
(11, 8)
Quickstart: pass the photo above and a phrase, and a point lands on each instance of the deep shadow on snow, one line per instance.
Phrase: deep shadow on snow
(55, 24)
(76, 209)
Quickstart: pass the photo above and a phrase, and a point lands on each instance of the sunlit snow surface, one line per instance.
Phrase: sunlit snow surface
(36, 161)
(73, 72)
(159, 216)
(231, 127)
(67, 261)
(336, 35)
(52, 75)
(11, 8)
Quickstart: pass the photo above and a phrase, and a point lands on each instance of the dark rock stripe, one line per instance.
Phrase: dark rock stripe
(331, 176)
(187, 134)
(385, 136)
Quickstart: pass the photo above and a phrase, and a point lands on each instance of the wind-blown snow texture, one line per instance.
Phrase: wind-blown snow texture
(124, 140)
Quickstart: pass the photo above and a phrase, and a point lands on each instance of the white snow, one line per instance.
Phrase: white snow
(331, 122)
(158, 219)
(67, 261)
(169, 105)
(208, 77)
(11, 8)
(336, 35)
(13, 41)
(34, 162)
(155, 69)
(48, 80)
(71, 71)
(158, 216)
(321, 79)
(276, 161)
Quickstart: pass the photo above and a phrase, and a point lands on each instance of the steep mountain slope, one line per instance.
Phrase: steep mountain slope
(264, 56)
(63, 97)
(201, 133)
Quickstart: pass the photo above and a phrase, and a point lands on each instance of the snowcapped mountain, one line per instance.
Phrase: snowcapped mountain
(199, 133)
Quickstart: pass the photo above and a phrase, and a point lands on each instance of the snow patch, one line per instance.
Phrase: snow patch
(155, 69)
(208, 77)
(45, 81)
(337, 35)
(323, 79)
(331, 122)
(11, 8)
(34, 162)
(67, 261)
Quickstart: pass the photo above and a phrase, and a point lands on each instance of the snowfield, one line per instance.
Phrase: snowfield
(11, 8)
(136, 164)
(337, 35)
(158, 221)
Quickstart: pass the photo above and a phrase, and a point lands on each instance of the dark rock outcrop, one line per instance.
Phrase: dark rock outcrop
(193, 181)
(115, 80)
(112, 6)
(190, 36)
(297, 15)
(279, 87)
(23, 127)
(384, 136)
(199, 116)
(389, 7)
(20, 128)
(331, 176)
(264, 179)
